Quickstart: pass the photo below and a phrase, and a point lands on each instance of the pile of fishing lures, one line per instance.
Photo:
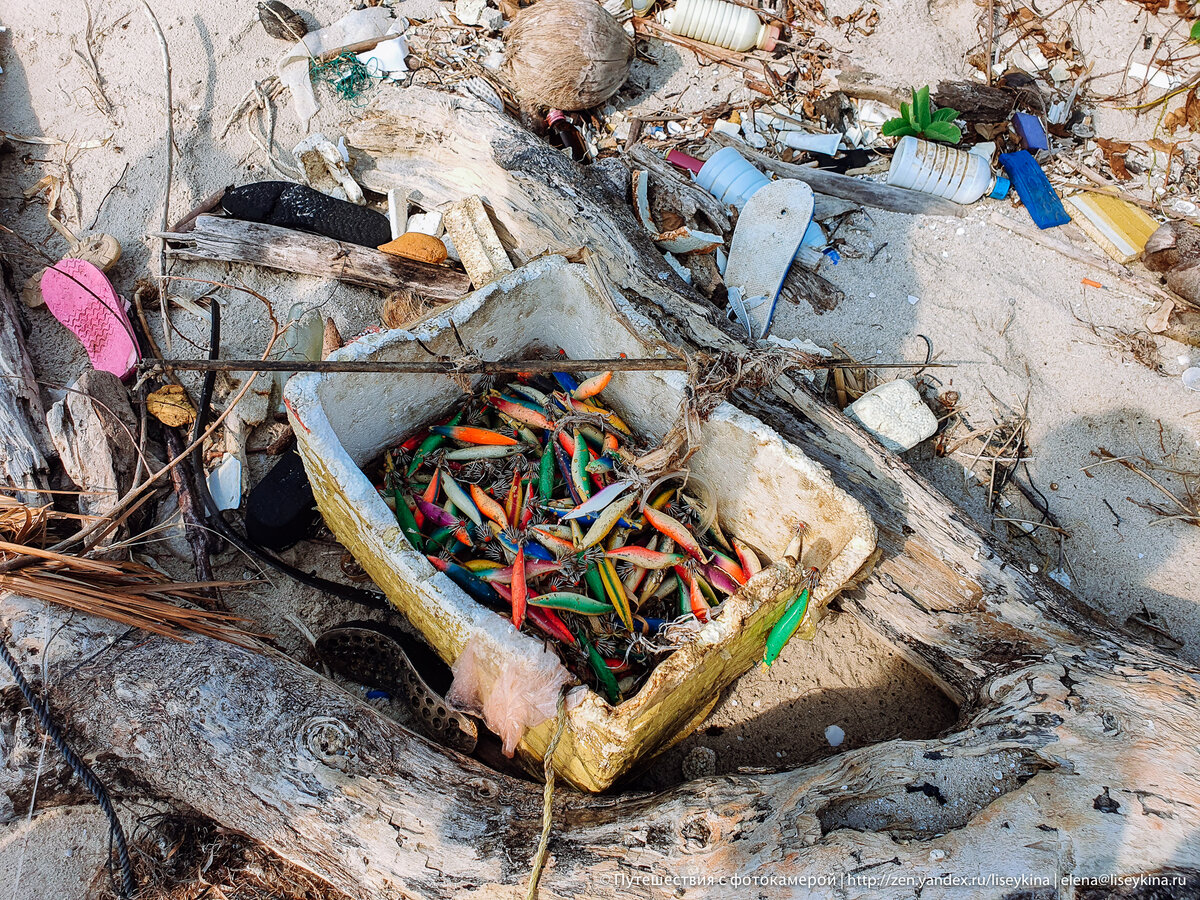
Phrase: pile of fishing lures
(527, 498)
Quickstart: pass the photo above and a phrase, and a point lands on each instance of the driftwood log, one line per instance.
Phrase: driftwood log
(231, 240)
(23, 438)
(1075, 753)
(975, 102)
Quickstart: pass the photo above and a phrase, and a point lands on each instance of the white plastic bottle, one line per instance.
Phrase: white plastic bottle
(944, 172)
(723, 24)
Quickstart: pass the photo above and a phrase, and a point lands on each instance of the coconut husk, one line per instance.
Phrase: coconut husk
(1172, 244)
(566, 54)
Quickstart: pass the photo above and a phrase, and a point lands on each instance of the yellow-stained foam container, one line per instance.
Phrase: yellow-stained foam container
(762, 485)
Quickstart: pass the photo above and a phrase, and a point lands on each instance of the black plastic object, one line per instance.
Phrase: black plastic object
(297, 206)
(280, 509)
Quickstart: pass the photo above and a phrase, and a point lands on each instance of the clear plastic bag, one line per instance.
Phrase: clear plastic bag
(512, 695)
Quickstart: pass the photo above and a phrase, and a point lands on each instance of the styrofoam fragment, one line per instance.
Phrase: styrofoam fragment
(476, 240)
(324, 170)
(429, 223)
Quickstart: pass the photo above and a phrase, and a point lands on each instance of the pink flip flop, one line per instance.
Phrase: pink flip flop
(82, 298)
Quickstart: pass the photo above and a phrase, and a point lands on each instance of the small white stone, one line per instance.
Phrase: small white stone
(961, 231)
(913, 301)
(895, 413)
(1141, 556)
(757, 704)
(1033, 568)
(937, 855)
(834, 735)
(870, 293)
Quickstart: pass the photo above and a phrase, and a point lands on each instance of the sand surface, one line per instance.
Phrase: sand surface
(1003, 307)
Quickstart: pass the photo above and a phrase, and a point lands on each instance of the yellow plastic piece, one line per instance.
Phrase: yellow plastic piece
(1120, 228)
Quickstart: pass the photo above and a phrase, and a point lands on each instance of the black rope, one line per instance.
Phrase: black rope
(116, 834)
(216, 521)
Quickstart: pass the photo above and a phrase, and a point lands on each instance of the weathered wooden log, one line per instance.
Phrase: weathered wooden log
(23, 437)
(868, 193)
(232, 240)
(975, 102)
(1077, 751)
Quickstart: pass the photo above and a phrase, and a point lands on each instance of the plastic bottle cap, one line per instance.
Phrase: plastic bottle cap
(555, 115)
(770, 36)
(1000, 190)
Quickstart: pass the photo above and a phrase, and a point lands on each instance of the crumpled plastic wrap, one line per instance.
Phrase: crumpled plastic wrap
(512, 695)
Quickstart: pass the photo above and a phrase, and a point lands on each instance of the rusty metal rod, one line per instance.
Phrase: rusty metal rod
(496, 367)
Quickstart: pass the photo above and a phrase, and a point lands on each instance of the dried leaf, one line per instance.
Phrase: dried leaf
(1187, 115)
(170, 405)
(281, 21)
(1114, 155)
(1063, 49)
(1163, 147)
(1153, 6)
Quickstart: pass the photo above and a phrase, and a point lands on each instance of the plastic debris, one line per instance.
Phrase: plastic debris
(81, 297)
(1034, 189)
(1030, 131)
(324, 170)
(354, 28)
(1120, 228)
(512, 695)
(225, 483)
(418, 246)
(944, 172)
(722, 24)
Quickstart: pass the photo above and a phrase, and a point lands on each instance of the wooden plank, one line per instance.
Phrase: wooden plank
(868, 193)
(232, 240)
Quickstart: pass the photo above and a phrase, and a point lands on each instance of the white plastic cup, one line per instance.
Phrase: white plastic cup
(828, 144)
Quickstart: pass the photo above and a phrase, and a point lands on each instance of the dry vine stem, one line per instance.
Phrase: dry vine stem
(169, 149)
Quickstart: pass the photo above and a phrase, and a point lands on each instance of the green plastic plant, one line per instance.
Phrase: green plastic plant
(920, 120)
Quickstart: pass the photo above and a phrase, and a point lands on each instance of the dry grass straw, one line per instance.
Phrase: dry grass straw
(1139, 346)
(180, 857)
(402, 308)
(119, 590)
(1183, 503)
